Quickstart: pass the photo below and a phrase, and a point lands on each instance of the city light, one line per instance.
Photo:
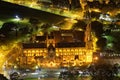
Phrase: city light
(105, 17)
(95, 58)
(17, 18)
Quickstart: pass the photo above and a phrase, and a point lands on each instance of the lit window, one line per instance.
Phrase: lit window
(68, 50)
(64, 50)
(45, 51)
(28, 54)
(41, 50)
(57, 54)
(56, 50)
(72, 49)
(76, 49)
(29, 51)
(60, 50)
(33, 51)
(25, 51)
(37, 51)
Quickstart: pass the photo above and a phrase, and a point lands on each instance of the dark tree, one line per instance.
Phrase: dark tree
(115, 69)
(103, 72)
(107, 32)
(34, 21)
(95, 14)
(101, 43)
(75, 4)
(80, 25)
(2, 77)
(24, 30)
(116, 43)
(45, 27)
(7, 28)
(118, 15)
(97, 27)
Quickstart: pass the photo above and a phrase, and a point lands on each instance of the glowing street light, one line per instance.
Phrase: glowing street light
(17, 18)
(95, 58)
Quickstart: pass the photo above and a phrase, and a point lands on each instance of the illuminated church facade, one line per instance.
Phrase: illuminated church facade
(63, 48)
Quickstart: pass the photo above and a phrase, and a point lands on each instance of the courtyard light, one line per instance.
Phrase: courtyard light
(17, 18)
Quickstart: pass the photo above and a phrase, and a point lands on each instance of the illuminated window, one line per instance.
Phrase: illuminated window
(89, 59)
(45, 50)
(33, 51)
(72, 50)
(28, 54)
(37, 51)
(60, 50)
(76, 49)
(41, 50)
(56, 50)
(29, 51)
(25, 51)
(32, 54)
(81, 53)
(37, 54)
(68, 53)
(64, 50)
(76, 53)
(57, 54)
(65, 53)
(68, 50)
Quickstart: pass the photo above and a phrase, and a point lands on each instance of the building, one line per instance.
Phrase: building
(61, 48)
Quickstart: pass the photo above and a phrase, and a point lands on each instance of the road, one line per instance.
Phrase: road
(84, 78)
(57, 79)
(81, 78)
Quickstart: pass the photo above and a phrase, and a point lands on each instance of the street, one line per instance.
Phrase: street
(85, 78)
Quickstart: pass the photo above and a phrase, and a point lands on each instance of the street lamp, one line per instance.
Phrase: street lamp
(17, 18)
